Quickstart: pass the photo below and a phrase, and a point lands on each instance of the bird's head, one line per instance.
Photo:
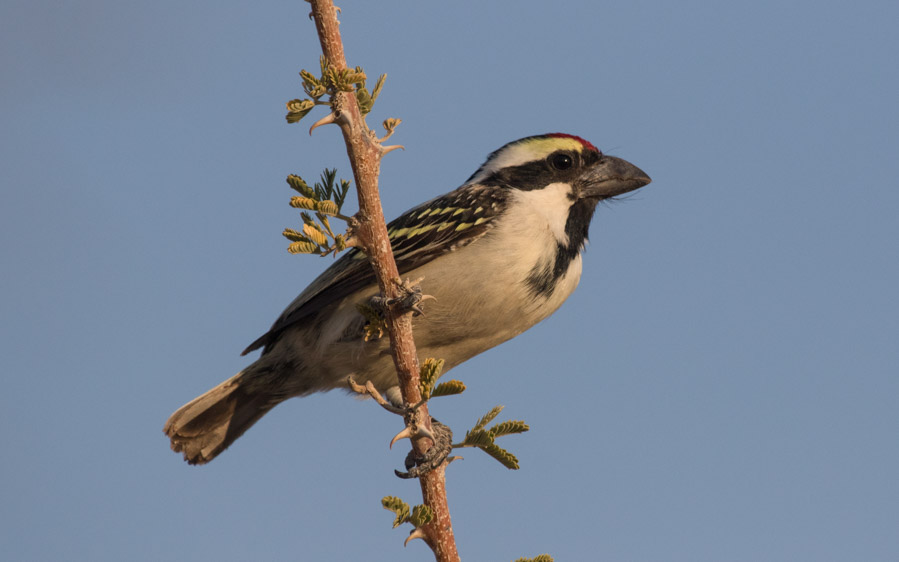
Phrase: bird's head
(533, 163)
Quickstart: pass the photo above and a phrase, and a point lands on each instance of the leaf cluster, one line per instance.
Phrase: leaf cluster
(325, 199)
(322, 88)
(484, 439)
(375, 323)
(538, 558)
(418, 516)
(430, 371)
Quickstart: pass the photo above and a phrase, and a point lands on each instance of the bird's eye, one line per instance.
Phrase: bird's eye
(561, 161)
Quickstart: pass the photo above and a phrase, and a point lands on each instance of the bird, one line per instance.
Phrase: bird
(498, 254)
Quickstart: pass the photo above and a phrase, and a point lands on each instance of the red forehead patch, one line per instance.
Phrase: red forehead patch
(585, 144)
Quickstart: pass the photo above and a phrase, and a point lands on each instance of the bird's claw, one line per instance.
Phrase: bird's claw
(410, 299)
(443, 446)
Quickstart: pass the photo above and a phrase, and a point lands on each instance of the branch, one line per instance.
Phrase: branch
(365, 152)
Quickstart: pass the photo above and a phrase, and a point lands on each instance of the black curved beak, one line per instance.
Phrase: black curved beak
(610, 177)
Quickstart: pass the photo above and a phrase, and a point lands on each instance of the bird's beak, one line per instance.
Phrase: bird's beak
(610, 177)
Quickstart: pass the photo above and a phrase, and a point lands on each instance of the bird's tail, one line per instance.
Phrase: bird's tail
(205, 426)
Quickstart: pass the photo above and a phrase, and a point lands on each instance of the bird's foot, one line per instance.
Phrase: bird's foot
(375, 311)
(409, 299)
(442, 436)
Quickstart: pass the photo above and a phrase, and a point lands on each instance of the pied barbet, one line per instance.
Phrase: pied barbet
(499, 254)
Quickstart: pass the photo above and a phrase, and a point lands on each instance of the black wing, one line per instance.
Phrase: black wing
(417, 237)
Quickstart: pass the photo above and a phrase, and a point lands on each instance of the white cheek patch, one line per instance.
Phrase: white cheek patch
(548, 206)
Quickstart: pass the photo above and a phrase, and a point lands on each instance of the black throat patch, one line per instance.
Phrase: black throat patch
(545, 276)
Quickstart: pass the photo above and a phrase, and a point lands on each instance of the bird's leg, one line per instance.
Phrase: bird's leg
(369, 390)
(443, 446)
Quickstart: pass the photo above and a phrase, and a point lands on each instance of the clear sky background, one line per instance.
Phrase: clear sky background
(723, 386)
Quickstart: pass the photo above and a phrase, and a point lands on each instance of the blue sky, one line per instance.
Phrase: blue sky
(722, 386)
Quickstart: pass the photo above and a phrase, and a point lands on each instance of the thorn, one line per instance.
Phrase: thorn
(326, 120)
(454, 458)
(391, 148)
(416, 533)
(423, 432)
(409, 433)
(406, 432)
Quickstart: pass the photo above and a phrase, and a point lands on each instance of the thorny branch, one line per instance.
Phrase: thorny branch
(365, 152)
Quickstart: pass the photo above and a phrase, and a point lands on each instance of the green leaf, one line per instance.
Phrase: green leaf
(399, 507)
(364, 99)
(354, 76)
(327, 207)
(341, 193)
(303, 203)
(477, 438)
(428, 375)
(293, 235)
(540, 558)
(303, 248)
(297, 109)
(314, 232)
(330, 77)
(508, 427)
(421, 515)
(488, 417)
(297, 183)
(307, 218)
(375, 325)
(309, 78)
(325, 189)
(448, 388)
(323, 219)
(376, 91)
(505, 458)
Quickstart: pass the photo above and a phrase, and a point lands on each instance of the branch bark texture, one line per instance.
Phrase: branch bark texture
(365, 154)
